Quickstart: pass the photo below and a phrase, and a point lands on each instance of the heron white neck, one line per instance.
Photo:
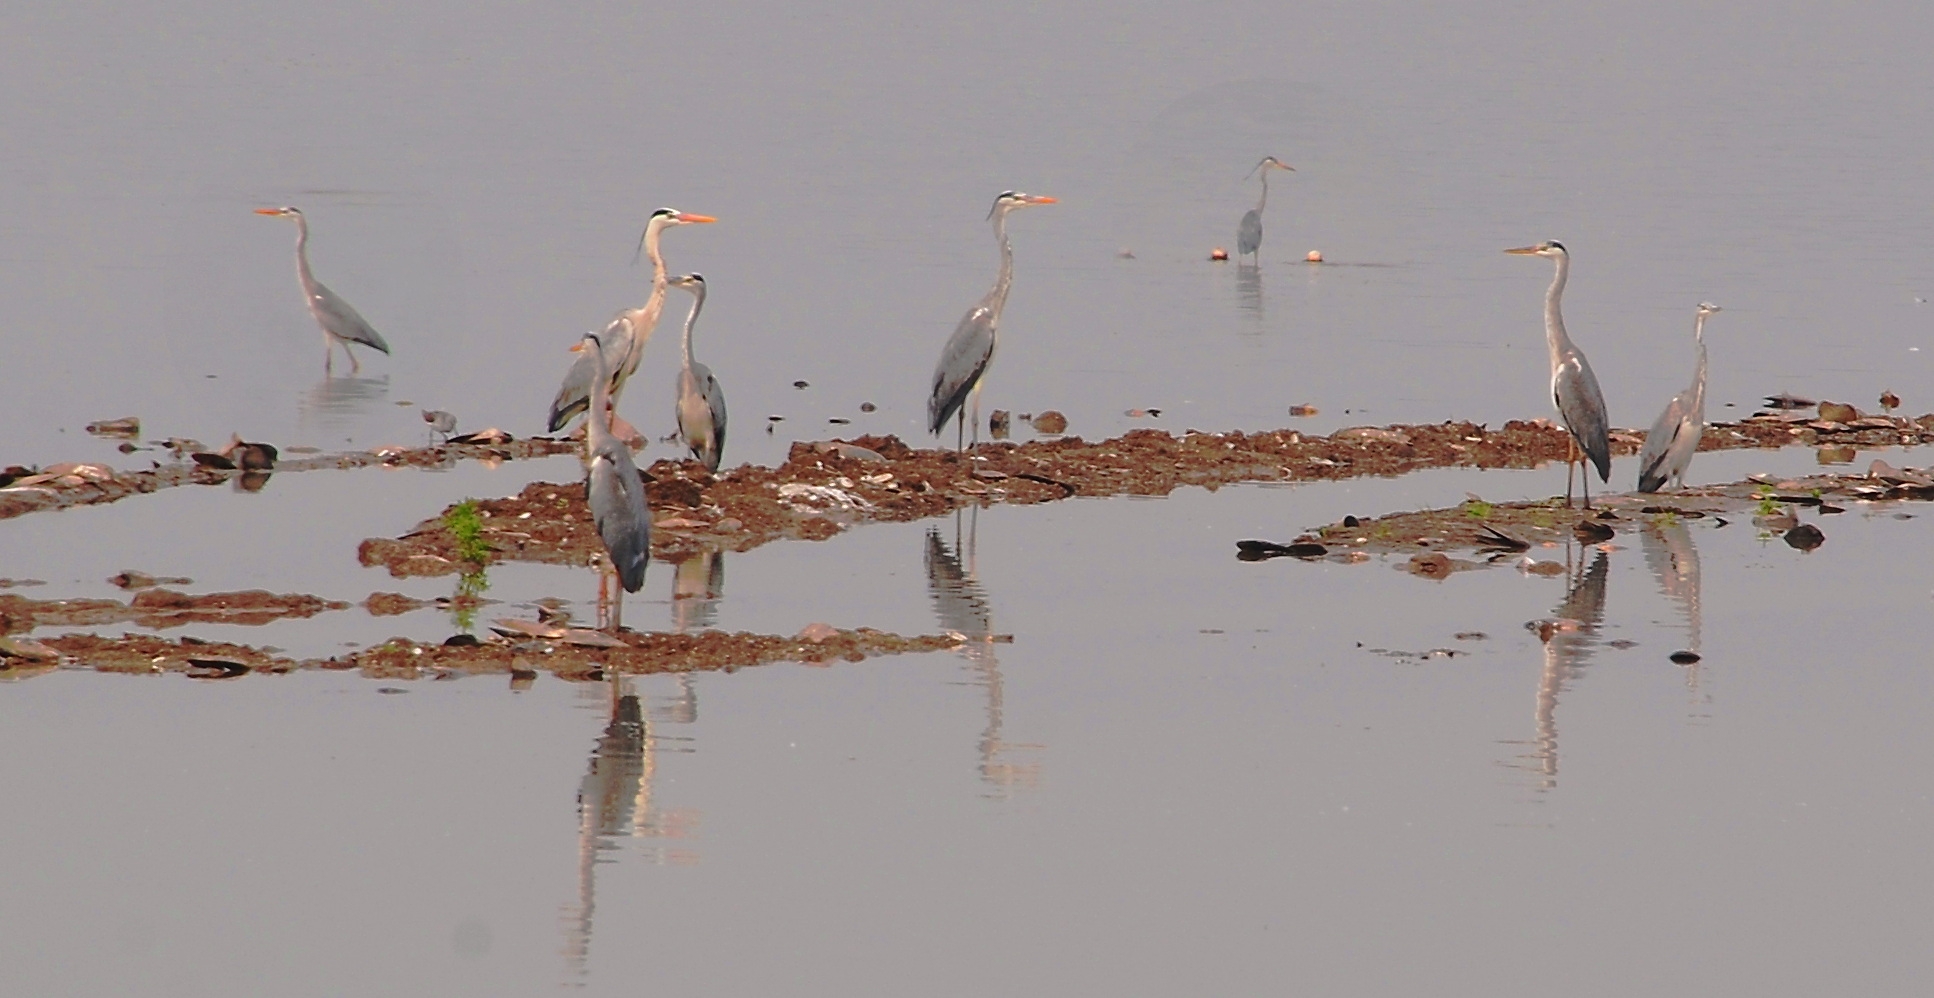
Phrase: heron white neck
(698, 302)
(1699, 364)
(302, 251)
(1261, 201)
(1555, 337)
(597, 425)
(1006, 276)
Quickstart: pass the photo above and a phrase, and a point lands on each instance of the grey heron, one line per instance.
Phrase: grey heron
(627, 332)
(612, 487)
(340, 322)
(1249, 231)
(1574, 389)
(1674, 437)
(701, 402)
(964, 360)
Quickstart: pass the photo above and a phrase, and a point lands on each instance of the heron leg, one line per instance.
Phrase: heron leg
(976, 394)
(1571, 455)
(960, 431)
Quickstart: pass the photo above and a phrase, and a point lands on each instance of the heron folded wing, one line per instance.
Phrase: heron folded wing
(341, 320)
(1582, 406)
(962, 362)
(617, 500)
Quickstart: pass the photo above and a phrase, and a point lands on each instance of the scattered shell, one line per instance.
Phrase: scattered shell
(817, 632)
(1303, 410)
(1218, 254)
(1435, 565)
(1805, 537)
(1889, 401)
(801, 384)
(1313, 256)
(1838, 412)
(867, 407)
(1684, 657)
(126, 426)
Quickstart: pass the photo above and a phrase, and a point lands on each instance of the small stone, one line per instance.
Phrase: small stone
(1218, 254)
(801, 385)
(1805, 537)
(1051, 422)
(867, 407)
(1684, 657)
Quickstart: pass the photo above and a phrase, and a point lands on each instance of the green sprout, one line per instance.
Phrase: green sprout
(465, 524)
(1477, 508)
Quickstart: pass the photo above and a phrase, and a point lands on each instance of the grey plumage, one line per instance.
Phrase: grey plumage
(969, 351)
(1674, 436)
(1574, 388)
(340, 322)
(701, 401)
(613, 488)
(1249, 230)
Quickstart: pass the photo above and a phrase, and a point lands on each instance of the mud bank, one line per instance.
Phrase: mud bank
(1800, 510)
(822, 488)
(161, 608)
(521, 658)
(67, 485)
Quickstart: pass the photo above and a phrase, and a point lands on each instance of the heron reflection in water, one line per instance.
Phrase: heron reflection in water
(333, 404)
(1249, 291)
(1570, 639)
(697, 584)
(961, 606)
(615, 802)
(1674, 561)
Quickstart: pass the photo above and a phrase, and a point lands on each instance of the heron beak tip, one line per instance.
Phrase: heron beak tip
(687, 217)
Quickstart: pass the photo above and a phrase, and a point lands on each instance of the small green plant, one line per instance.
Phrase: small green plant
(1768, 506)
(1477, 508)
(1669, 518)
(469, 596)
(465, 524)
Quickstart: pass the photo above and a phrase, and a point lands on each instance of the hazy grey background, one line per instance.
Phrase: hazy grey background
(1186, 774)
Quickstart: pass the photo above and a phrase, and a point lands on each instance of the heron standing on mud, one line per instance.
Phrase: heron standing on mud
(627, 333)
(1249, 231)
(1574, 389)
(340, 322)
(1674, 438)
(964, 360)
(701, 402)
(612, 487)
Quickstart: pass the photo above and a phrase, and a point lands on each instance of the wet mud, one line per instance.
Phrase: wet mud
(28, 490)
(160, 609)
(571, 655)
(1478, 534)
(824, 487)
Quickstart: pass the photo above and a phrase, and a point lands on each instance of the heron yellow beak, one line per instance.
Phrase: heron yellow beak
(577, 347)
(1523, 251)
(1042, 199)
(685, 216)
(268, 211)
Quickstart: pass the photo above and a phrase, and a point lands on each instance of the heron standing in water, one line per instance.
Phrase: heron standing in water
(701, 402)
(1574, 389)
(626, 335)
(612, 487)
(1674, 438)
(964, 360)
(340, 322)
(1249, 231)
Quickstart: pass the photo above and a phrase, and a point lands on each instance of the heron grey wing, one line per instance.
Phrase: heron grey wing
(1657, 459)
(341, 320)
(1249, 233)
(574, 395)
(962, 362)
(715, 399)
(616, 496)
(1582, 406)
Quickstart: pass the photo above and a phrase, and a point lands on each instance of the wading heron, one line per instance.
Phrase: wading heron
(340, 322)
(701, 402)
(1249, 231)
(1574, 389)
(1674, 438)
(612, 487)
(624, 338)
(964, 360)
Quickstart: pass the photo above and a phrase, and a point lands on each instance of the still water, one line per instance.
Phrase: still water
(1185, 774)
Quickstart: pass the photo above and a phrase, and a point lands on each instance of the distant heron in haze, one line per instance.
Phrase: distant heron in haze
(339, 321)
(1574, 389)
(612, 488)
(1674, 438)
(1249, 231)
(624, 338)
(964, 360)
(701, 402)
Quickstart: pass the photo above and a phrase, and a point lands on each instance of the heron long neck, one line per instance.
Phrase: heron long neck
(597, 424)
(1265, 191)
(302, 252)
(1555, 338)
(998, 296)
(1699, 366)
(691, 320)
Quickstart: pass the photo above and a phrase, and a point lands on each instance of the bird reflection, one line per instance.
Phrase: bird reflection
(1674, 561)
(1249, 289)
(615, 802)
(962, 607)
(1570, 639)
(697, 584)
(334, 403)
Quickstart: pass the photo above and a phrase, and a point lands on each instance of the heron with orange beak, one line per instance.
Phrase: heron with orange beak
(1574, 388)
(969, 351)
(340, 322)
(623, 340)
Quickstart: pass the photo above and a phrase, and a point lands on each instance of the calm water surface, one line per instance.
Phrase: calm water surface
(1185, 774)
